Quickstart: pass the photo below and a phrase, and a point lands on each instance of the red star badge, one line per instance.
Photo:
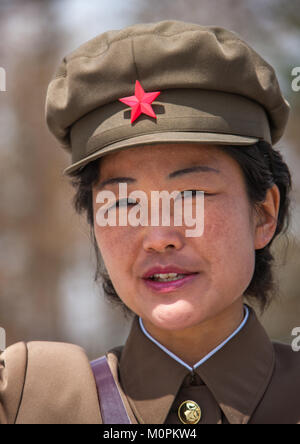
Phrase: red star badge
(140, 102)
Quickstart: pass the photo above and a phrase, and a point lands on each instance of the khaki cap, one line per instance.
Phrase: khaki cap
(214, 88)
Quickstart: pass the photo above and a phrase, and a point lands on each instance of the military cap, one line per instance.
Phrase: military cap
(164, 82)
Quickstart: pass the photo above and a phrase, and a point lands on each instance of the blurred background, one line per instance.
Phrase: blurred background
(46, 260)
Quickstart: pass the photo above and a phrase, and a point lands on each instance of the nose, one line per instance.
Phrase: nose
(160, 239)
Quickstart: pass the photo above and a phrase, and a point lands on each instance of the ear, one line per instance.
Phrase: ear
(267, 223)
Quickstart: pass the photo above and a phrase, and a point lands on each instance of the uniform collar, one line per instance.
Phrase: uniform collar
(212, 352)
(237, 374)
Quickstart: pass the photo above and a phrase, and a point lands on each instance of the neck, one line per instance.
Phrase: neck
(194, 343)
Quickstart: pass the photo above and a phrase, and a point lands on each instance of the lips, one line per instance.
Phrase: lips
(168, 278)
(166, 270)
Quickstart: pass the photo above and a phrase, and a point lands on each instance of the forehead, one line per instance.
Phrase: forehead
(163, 156)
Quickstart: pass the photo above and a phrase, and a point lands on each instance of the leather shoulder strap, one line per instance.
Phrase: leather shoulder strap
(111, 404)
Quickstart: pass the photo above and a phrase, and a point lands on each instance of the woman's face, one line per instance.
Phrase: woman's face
(223, 257)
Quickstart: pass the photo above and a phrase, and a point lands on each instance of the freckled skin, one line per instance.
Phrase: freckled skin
(210, 307)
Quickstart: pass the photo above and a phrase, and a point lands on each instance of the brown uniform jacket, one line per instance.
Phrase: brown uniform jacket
(250, 380)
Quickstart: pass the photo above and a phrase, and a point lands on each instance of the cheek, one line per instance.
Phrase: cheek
(229, 241)
(116, 247)
(226, 222)
(110, 240)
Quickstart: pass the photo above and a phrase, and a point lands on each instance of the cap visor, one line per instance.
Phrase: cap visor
(164, 137)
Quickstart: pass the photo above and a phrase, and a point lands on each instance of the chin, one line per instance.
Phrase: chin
(179, 317)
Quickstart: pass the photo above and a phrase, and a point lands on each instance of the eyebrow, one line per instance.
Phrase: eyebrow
(114, 180)
(177, 173)
(197, 168)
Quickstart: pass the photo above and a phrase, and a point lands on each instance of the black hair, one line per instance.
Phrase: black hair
(262, 167)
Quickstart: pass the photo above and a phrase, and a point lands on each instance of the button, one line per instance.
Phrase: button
(189, 412)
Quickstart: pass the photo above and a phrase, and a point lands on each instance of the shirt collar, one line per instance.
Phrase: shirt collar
(237, 374)
(212, 352)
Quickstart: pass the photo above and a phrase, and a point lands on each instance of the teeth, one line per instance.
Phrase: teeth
(166, 277)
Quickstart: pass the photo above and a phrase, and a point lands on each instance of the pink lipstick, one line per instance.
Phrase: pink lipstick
(167, 278)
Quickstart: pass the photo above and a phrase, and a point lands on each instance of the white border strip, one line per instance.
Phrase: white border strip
(205, 357)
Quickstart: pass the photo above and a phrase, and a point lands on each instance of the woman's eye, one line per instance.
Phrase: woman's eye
(194, 193)
(124, 202)
(120, 204)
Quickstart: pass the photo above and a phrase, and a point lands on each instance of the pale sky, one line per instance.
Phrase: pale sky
(84, 20)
